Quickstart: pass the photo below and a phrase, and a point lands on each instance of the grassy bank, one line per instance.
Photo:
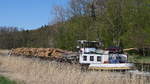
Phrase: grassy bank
(139, 59)
(4, 80)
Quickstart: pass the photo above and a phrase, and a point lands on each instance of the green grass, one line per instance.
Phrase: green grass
(4, 80)
(141, 59)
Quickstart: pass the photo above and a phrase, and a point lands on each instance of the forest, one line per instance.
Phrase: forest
(123, 23)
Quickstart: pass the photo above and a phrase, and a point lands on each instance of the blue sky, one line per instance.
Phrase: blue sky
(27, 14)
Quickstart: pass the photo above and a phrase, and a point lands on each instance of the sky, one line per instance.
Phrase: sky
(28, 14)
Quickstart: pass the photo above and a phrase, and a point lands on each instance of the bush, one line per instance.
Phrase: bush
(4, 80)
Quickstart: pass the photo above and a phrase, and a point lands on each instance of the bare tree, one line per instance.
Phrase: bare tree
(60, 14)
(79, 7)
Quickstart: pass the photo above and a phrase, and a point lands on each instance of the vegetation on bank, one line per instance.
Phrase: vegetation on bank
(4, 80)
(139, 59)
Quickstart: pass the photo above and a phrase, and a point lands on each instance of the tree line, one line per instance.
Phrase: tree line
(12, 37)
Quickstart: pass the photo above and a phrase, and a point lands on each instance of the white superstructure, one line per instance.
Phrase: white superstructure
(91, 54)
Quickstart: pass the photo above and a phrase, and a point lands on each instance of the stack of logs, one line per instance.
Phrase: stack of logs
(39, 52)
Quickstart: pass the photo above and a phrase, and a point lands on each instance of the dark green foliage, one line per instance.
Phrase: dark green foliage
(4, 80)
(42, 37)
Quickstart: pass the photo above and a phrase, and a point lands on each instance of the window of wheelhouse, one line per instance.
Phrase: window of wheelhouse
(99, 58)
(91, 58)
(84, 58)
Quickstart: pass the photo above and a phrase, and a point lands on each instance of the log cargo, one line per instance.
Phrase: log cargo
(50, 53)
